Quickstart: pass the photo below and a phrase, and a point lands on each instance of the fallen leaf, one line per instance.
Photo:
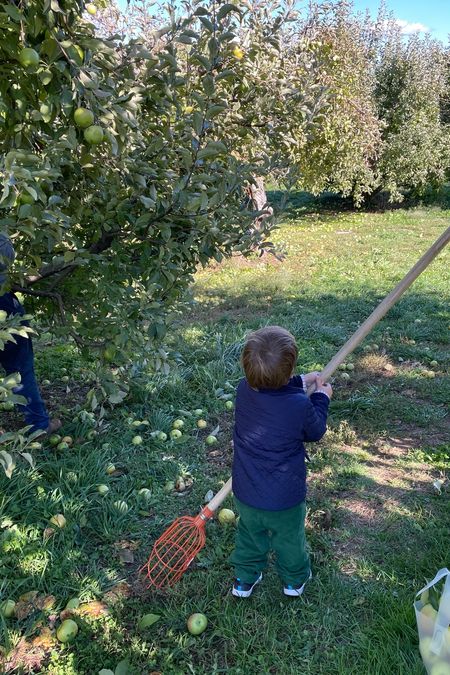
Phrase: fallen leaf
(93, 609)
(33, 602)
(126, 556)
(120, 591)
(132, 545)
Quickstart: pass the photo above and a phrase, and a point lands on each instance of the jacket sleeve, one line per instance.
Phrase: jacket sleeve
(316, 417)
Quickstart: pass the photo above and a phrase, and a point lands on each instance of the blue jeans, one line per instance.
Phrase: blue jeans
(19, 358)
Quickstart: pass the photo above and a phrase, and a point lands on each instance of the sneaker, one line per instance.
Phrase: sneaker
(54, 425)
(241, 590)
(296, 590)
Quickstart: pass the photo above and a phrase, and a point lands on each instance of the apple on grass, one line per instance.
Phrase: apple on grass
(175, 433)
(58, 520)
(137, 440)
(178, 424)
(162, 436)
(197, 623)
(202, 424)
(226, 516)
(210, 440)
(7, 608)
(102, 489)
(67, 631)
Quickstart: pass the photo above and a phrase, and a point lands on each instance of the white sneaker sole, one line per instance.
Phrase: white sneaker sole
(296, 592)
(246, 594)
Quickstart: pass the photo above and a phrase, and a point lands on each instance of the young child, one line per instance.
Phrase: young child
(273, 418)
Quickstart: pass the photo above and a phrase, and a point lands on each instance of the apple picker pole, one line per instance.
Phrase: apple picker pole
(174, 551)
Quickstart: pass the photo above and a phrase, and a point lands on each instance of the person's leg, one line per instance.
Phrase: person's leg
(252, 544)
(19, 358)
(289, 544)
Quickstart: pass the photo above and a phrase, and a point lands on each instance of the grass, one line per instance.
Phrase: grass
(376, 526)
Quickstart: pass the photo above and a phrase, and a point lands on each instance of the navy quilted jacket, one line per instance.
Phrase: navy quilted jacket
(271, 425)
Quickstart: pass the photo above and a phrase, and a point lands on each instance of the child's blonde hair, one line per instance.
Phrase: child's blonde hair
(269, 357)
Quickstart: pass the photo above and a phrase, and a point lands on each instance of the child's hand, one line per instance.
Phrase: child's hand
(310, 378)
(324, 387)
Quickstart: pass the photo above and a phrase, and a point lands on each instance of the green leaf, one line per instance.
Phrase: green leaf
(208, 84)
(148, 620)
(226, 9)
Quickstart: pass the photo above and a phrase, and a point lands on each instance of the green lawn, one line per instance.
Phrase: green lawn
(377, 527)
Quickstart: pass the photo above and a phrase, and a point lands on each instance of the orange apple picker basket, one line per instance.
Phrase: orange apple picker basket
(174, 551)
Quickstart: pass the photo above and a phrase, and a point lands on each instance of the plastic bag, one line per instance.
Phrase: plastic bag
(432, 609)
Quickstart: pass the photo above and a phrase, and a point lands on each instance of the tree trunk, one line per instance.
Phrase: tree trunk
(258, 198)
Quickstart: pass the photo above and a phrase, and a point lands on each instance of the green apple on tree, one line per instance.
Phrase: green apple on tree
(84, 118)
(94, 135)
(28, 57)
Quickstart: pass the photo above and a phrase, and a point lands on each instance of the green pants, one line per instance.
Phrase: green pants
(260, 531)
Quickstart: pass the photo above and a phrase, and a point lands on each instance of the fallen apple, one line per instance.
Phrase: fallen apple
(54, 439)
(345, 376)
(175, 433)
(65, 378)
(434, 364)
(110, 469)
(62, 446)
(7, 608)
(350, 366)
(210, 440)
(67, 631)
(68, 440)
(145, 493)
(430, 374)
(137, 440)
(162, 436)
(102, 489)
(46, 383)
(178, 424)
(73, 603)
(198, 412)
(226, 516)
(197, 623)
(72, 477)
(58, 520)
(202, 424)
(229, 405)
(180, 485)
(121, 506)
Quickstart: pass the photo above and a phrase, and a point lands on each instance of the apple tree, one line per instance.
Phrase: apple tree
(123, 166)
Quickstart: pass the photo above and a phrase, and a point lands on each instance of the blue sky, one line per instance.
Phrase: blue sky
(420, 16)
(417, 15)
